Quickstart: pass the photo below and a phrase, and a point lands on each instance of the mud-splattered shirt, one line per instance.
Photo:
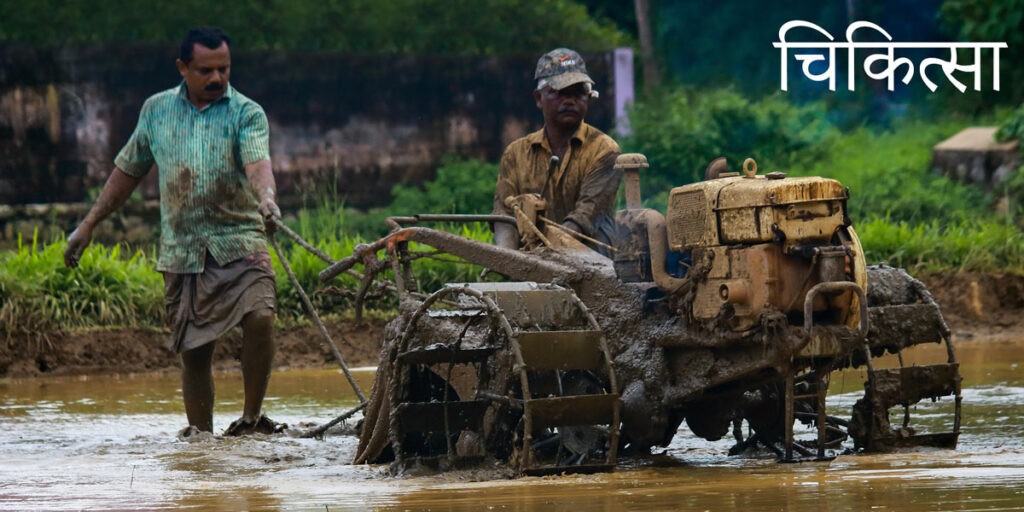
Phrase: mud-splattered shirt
(583, 187)
(205, 200)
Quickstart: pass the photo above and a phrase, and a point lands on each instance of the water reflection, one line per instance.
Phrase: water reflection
(107, 443)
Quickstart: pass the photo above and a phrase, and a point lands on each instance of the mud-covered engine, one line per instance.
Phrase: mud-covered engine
(762, 242)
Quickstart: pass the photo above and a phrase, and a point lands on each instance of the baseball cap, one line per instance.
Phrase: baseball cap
(561, 68)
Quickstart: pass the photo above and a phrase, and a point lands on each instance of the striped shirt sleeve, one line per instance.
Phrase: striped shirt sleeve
(136, 158)
(254, 136)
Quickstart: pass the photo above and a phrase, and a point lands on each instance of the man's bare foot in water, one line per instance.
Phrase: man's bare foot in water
(192, 433)
(261, 425)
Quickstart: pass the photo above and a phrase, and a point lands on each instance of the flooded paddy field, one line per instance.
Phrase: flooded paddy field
(108, 443)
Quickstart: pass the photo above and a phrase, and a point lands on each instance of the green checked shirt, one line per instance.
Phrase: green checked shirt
(205, 200)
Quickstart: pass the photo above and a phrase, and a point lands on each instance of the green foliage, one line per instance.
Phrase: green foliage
(38, 293)
(683, 130)
(729, 43)
(364, 26)
(461, 186)
(889, 174)
(992, 21)
(1013, 184)
(1013, 127)
(975, 245)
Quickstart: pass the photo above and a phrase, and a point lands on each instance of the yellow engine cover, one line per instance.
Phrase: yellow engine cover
(742, 210)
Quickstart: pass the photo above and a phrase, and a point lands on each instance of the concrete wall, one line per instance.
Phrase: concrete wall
(364, 123)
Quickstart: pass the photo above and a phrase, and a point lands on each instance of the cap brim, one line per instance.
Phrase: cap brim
(559, 82)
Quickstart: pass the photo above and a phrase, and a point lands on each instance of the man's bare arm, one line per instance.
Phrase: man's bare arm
(505, 235)
(261, 180)
(116, 191)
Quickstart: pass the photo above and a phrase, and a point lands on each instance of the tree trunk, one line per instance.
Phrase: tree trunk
(652, 75)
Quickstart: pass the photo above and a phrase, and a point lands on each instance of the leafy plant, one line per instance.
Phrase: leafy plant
(38, 293)
(461, 186)
(992, 21)
(481, 27)
(966, 245)
(682, 130)
(1013, 127)
(889, 173)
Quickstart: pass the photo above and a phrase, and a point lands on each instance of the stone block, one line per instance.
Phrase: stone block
(974, 156)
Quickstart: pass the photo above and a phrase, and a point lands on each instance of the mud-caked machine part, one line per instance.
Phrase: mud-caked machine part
(750, 292)
(527, 380)
(903, 314)
(434, 421)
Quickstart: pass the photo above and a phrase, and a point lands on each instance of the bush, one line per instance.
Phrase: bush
(1013, 127)
(995, 21)
(889, 174)
(974, 245)
(39, 294)
(682, 130)
(360, 26)
(461, 186)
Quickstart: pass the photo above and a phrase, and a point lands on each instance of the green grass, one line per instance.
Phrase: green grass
(908, 216)
(889, 173)
(905, 215)
(979, 245)
(109, 288)
(112, 288)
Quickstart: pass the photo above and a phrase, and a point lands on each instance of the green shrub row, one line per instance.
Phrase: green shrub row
(359, 26)
(977, 245)
(682, 130)
(889, 174)
(112, 288)
(905, 214)
(39, 294)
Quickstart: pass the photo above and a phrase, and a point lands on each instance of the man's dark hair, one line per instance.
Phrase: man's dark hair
(210, 37)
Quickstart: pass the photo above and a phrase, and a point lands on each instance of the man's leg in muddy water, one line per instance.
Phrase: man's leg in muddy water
(257, 359)
(197, 386)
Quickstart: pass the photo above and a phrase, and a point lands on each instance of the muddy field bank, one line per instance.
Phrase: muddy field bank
(140, 350)
(975, 305)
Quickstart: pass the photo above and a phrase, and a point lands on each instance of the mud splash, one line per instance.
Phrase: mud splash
(107, 443)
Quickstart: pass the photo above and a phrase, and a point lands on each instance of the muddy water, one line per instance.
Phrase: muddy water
(108, 444)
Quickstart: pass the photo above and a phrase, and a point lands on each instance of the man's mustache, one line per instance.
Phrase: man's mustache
(213, 87)
(574, 110)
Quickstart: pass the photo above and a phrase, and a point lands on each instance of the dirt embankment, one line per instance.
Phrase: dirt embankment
(138, 350)
(980, 305)
(975, 306)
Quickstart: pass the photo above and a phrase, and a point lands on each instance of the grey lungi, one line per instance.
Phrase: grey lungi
(202, 307)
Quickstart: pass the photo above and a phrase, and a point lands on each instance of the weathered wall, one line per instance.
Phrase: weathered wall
(363, 122)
